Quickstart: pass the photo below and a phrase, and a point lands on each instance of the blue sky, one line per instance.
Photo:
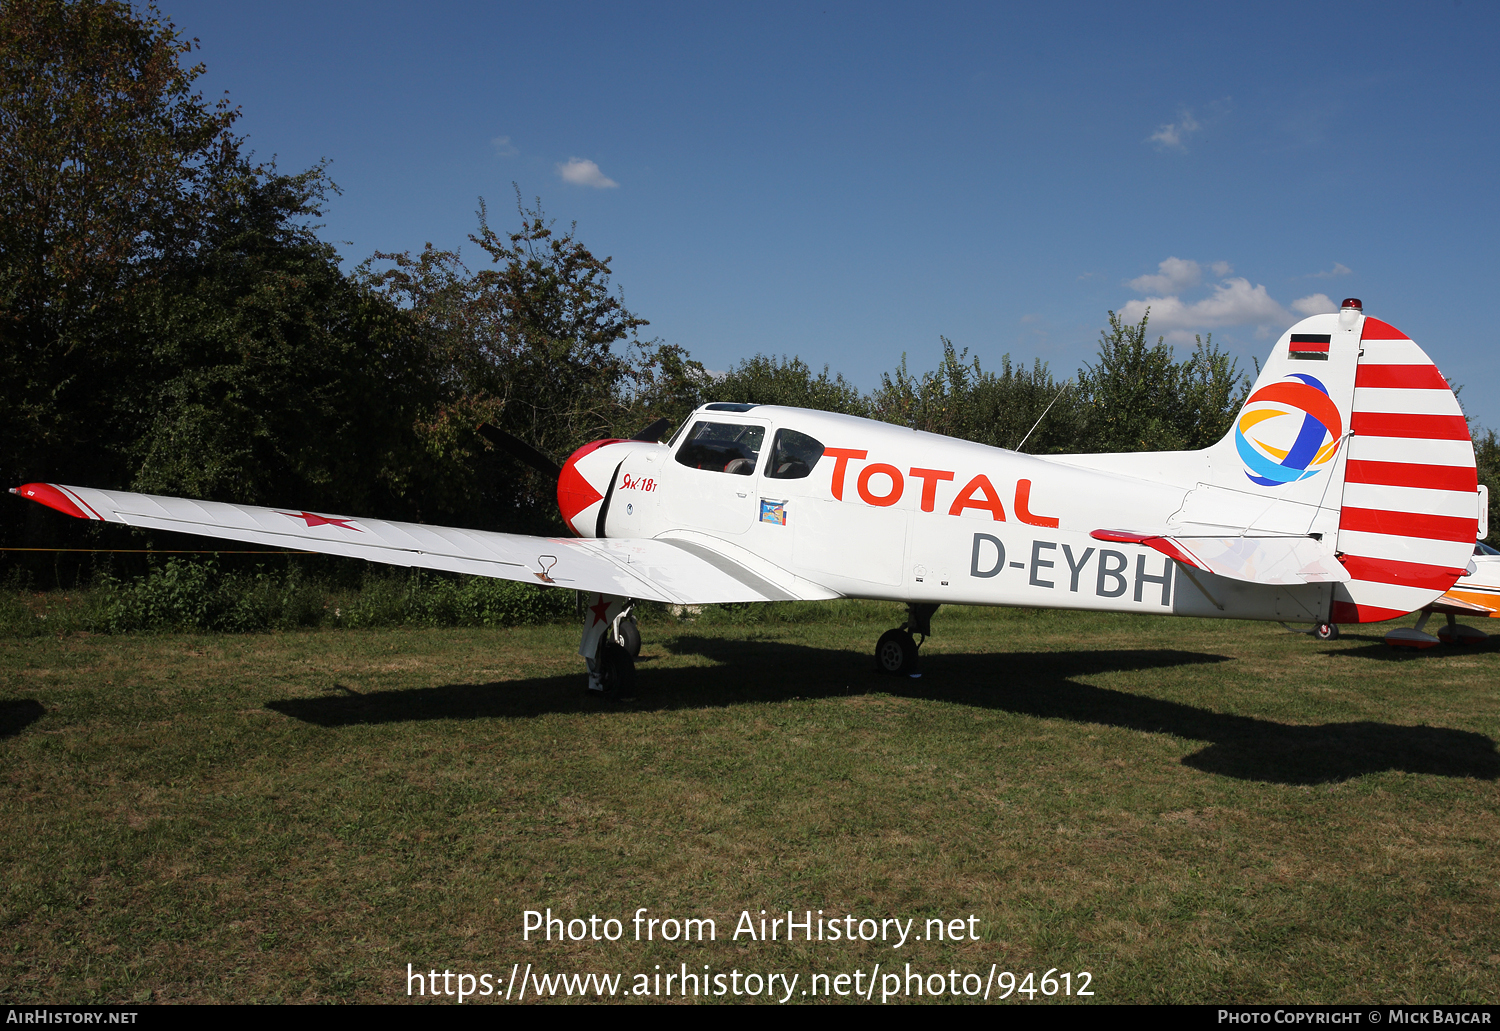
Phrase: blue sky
(848, 182)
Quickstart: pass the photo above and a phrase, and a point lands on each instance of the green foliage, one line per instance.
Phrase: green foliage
(1139, 398)
(106, 156)
(670, 383)
(1212, 392)
(185, 595)
(1136, 397)
(528, 344)
(428, 600)
(766, 380)
(169, 321)
(1487, 456)
(961, 399)
(1131, 391)
(279, 380)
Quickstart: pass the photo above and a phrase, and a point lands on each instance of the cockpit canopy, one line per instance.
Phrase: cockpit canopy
(734, 448)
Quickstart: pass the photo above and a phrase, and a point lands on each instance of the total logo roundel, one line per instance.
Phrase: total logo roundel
(1288, 431)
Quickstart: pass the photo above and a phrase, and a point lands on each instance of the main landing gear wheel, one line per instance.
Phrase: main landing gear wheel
(628, 635)
(896, 653)
(616, 670)
(1325, 632)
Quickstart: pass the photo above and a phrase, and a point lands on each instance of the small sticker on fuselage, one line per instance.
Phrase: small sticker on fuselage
(773, 512)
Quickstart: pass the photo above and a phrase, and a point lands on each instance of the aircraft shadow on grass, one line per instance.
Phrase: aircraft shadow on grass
(1376, 649)
(1039, 684)
(19, 713)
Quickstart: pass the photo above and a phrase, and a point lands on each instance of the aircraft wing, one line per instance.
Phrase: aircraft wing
(642, 568)
(1260, 560)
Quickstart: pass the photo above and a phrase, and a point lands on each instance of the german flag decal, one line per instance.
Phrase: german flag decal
(1312, 346)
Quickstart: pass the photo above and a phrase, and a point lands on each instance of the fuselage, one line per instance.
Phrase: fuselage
(867, 509)
(1482, 587)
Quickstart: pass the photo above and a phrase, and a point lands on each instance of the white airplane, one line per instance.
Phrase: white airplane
(1344, 493)
(1476, 594)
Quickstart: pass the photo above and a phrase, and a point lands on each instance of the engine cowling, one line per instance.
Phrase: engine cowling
(583, 488)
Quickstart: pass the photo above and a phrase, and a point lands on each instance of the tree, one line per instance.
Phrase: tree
(529, 344)
(962, 399)
(1211, 392)
(766, 380)
(276, 378)
(104, 153)
(1138, 398)
(1131, 391)
(171, 321)
(1487, 458)
(105, 158)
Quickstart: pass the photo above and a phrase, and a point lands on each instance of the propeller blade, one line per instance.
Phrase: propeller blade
(521, 451)
(654, 432)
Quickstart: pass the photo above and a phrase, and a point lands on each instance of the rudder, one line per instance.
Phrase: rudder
(1409, 516)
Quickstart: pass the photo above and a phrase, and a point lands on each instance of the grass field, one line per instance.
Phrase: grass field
(1190, 811)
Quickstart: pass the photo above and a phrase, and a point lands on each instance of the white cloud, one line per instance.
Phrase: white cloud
(1174, 274)
(504, 147)
(1234, 303)
(1221, 268)
(581, 172)
(1314, 304)
(1339, 269)
(1173, 133)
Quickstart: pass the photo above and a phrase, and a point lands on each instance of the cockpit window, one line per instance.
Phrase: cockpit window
(724, 447)
(793, 455)
(1482, 548)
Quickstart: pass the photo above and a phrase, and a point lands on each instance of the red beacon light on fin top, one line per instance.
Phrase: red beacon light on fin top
(1353, 302)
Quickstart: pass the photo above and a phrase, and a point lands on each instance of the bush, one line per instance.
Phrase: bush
(434, 600)
(191, 595)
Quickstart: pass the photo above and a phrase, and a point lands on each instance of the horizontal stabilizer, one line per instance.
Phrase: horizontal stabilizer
(1459, 607)
(1261, 560)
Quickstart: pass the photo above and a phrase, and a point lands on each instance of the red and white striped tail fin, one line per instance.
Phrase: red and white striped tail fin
(1410, 512)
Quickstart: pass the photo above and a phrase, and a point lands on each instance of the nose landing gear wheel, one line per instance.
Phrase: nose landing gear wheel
(896, 653)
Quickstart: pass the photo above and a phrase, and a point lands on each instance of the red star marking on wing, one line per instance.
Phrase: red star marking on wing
(601, 610)
(317, 520)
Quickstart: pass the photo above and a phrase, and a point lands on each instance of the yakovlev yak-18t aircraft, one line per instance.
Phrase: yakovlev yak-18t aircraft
(1345, 492)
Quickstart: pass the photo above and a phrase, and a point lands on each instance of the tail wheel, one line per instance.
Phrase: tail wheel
(896, 653)
(1326, 632)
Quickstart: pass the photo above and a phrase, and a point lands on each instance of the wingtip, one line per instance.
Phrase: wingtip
(1122, 536)
(51, 496)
